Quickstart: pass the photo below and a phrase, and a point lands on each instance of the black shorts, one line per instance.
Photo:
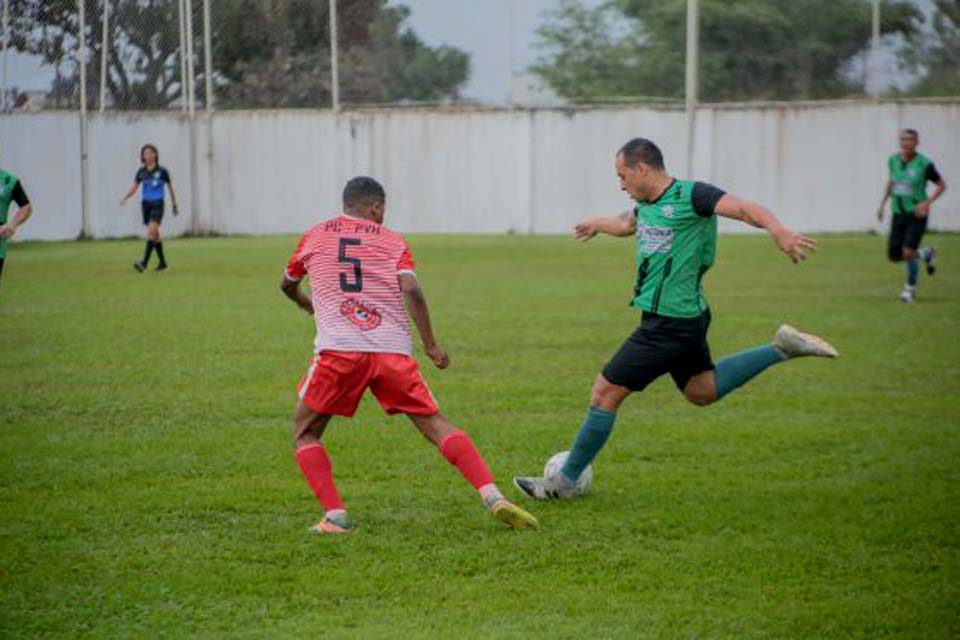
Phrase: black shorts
(660, 345)
(152, 211)
(906, 231)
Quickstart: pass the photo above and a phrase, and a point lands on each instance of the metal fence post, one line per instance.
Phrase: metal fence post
(190, 63)
(6, 42)
(183, 54)
(192, 121)
(334, 58)
(105, 47)
(873, 55)
(690, 91)
(82, 61)
(208, 104)
(207, 58)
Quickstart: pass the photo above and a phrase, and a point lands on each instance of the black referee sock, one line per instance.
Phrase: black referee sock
(159, 247)
(147, 252)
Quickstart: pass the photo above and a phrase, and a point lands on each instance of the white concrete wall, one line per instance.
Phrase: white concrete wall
(821, 167)
(573, 160)
(113, 158)
(44, 150)
(451, 172)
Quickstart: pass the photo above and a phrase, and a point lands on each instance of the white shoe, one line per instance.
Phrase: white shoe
(545, 489)
(794, 343)
(909, 294)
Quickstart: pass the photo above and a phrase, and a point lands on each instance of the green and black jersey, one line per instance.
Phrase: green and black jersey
(676, 245)
(10, 191)
(909, 178)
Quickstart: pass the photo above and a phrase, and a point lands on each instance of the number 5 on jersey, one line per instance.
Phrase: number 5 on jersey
(357, 284)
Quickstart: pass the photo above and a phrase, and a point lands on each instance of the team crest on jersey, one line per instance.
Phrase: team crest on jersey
(667, 210)
(358, 313)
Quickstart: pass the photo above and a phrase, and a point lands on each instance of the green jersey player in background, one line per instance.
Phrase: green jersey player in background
(675, 224)
(11, 191)
(909, 174)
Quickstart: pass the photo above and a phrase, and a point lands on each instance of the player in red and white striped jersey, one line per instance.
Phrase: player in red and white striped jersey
(361, 274)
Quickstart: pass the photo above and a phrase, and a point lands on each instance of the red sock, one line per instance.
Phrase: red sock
(460, 451)
(315, 465)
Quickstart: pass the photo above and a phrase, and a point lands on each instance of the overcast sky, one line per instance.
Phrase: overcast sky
(491, 31)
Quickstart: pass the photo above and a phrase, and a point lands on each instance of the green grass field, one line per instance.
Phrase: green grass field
(147, 486)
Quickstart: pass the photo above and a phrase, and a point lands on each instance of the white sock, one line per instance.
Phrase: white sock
(337, 514)
(490, 493)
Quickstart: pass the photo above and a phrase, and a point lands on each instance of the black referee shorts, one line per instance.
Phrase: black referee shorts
(906, 232)
(152, 211)
(660, 345)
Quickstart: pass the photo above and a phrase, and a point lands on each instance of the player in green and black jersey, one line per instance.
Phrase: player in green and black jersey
(11, 191)
(909, 174)
(675, 224)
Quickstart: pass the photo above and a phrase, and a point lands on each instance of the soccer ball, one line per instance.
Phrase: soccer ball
(555, 463)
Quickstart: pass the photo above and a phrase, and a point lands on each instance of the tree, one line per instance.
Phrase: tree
(144, 63)
(272, 53)
(288, 64)
(408, 70)
(749, 49)
(937, 54)
(587, 57)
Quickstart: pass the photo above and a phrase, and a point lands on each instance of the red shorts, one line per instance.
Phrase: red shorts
(336, 381)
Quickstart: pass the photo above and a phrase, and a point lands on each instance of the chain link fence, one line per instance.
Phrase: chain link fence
(751, 50)
(136, 54)
(47, 31)
(173, 54)
(278, 54)
(251, 54)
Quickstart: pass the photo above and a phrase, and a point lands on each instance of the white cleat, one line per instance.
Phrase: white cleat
(793, 343)
(545, 489)
(909, 294)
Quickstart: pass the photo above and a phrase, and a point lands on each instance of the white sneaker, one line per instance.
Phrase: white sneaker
(794, 343)
(544, 489)
(909, 294)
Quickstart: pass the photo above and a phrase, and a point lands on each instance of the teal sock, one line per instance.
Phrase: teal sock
(593, 434)
(737, 370)
(913, 268)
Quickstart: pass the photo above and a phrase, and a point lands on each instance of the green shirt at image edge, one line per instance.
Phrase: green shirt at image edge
(8, 185)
